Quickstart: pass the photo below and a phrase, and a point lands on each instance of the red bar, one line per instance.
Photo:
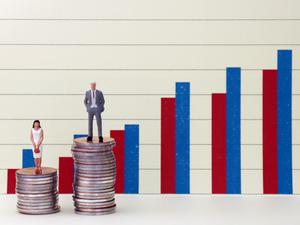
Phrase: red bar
(168, 128)
(11, 181)
(270, 160)
(219, 143)
(118, 135)
(65, 175)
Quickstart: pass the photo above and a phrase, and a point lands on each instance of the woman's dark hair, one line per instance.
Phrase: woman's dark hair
(36, 121)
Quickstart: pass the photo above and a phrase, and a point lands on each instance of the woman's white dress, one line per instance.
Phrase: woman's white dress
(36, 137)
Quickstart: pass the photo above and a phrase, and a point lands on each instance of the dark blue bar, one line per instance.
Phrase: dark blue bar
(182, 137)
(233, 130)
(284, 113)
(27, 158)
(75, 136)
(131, 161)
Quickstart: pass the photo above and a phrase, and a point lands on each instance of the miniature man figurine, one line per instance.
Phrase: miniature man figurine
(94, 102)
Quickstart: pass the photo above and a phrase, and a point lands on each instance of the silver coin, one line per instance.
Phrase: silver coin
(96, 167)
(86, 171)
(106, 142)
(35, 187)
(94, 190)
(95, 185)
(93, 161)
(41, 179)
(35, 205)
(92, 196)
(39, 212)
(94, 176)
(32, 201)
(99, 174)
(82, 178)
(37, 193)
(95, 211)
(38, 184)
(93, 206)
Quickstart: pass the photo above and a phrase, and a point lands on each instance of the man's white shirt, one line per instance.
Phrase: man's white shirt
(93, 97)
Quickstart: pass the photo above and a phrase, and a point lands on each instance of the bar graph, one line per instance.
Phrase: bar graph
(226, 136)
(65, 178)
(182, 165)
(218, 143)
(175, 141)
(119, 151)
(233, 130)
(11, 181)
(168, 138)
(27, 158)
(277, 126)
(226, 144)
(27, 161)
(270, 156)
(284, 113)
(79, 135)
(131, 159)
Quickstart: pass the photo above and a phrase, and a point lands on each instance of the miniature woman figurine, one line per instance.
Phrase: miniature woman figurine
(36, 138)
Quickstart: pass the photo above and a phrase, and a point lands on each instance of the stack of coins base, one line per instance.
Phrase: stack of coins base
(37, 194)
(94, 176)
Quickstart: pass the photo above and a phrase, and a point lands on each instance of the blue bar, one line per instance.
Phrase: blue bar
(27, 158)
(131, 159)
(182, 138)
(284, 113)
(233, 130)
(75, 136)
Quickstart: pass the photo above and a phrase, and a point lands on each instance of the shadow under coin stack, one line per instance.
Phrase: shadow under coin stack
(37, 193)
(94, 176)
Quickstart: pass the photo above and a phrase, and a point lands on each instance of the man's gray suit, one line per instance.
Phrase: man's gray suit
(94, 111)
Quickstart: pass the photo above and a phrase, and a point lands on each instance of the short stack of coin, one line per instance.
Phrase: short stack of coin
(94, 176)
(37, 193)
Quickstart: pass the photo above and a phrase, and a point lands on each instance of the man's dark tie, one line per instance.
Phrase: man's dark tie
(93, 94)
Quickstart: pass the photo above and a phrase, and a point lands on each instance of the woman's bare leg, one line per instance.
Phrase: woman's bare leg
(36, 165)
(38, 162)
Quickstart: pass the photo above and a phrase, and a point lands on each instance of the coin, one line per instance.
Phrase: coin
(95, 211)
(37, 193)
(39, 211)
(94, 176)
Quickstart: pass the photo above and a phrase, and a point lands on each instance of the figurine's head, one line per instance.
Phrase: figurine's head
(93, 85)
(36, 124)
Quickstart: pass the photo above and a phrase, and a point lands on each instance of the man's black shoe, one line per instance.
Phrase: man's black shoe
(100, 139)
(89, 139)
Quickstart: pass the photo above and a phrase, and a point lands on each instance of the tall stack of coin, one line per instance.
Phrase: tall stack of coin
(94, 176)
(37, 193)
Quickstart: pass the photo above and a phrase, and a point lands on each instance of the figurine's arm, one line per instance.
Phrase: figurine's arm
(31, 138)
(85, 100)
(41, 138)
(102, 100)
